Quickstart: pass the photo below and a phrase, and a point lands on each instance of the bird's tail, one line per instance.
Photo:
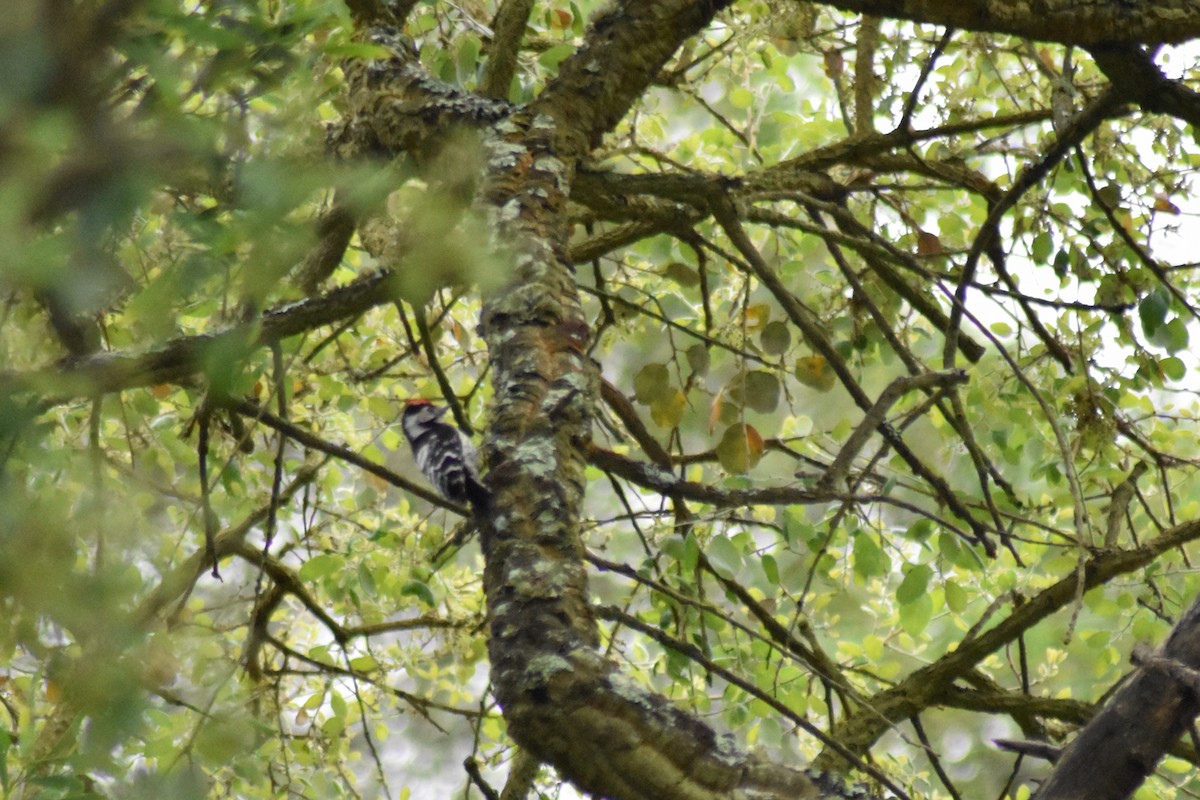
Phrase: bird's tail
(480, 497)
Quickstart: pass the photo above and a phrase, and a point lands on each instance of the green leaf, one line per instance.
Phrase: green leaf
(724, 555)
(652, 383)
(869, 558)
(466, 58)
(915, 582)
(762, 391)
(321, 566)
(1039, 249)
(5, 744)
(1109, 194)
(360, 50)
(222, 740)
(682, 274)
(1152, 311)
(1173, 368)
(741, 97)
(915, 616)
(554, 56)
(1173, 336)
(795, 524)
(920, 530)
(956, 596)
(63, 785)
(338, 705)
(770, 568)
(691, 554)
(366, 580)
(419, 590)
(698, 359)
(673, 547)
(957, 553)
(775, 338)
(365, 663)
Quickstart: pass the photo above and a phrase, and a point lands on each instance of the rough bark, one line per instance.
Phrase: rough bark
(563, 701)
(181, 358)
(1079, 22)
(1135, 76)
(926, 685)
(1117, 750)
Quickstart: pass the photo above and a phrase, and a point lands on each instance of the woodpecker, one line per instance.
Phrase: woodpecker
(444, 454)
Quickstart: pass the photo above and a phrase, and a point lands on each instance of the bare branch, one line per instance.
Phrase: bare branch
(508, 32)
(876, 415)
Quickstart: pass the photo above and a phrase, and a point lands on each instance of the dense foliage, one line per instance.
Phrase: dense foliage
(220, 575)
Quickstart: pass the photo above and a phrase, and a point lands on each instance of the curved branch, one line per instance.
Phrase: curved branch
(1062, 21)
(311, 440)
(509, 27)
(694, 653)
(624, 50)
(988, 238)
(925, 685)
(663, 481)
(876, 415)
(182, 358)
(1119, 748)
(726, 216)
(1134, 74)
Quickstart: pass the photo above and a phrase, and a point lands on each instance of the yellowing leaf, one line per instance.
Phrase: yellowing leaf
(1163, 203)
(815, 373)
(757, 316)
(667, 411)
(682, 274)
(714, 411)
(560, 19)
(740, 448)
(834, 63)
(928, 244)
